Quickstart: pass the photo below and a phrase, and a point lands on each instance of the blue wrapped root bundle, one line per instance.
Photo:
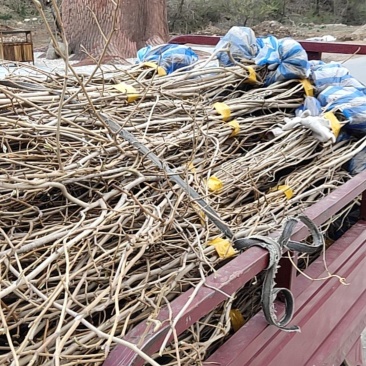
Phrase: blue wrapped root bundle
(332, 74)
(169, 57)
(337, 91)
(340, 92)
(286, 59)
(358, 163)
(239, 43)
(351, 102)
(311, 105)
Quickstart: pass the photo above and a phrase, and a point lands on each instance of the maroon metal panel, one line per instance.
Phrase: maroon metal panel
(355, 356)
(341, 252)
(331, 204)
(338, 315)
(228, 279)
(334, 47)
(286, 275)
(313, 48)
(195, 39)
(339, 343)
(363, 206)
(314, 55)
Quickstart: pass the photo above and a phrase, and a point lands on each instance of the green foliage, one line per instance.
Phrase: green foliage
(254, 11)
(350, 12)
(354, 12)
(187, 16)
(5, 16)
(21, 8)
(192, 15)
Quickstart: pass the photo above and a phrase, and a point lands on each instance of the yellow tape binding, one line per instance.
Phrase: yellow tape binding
(223, 247)
(252, 78)
(237, 319)
(235, 126)
(200, 213)
(214, 184)
(334, 123)
(223, 109)
(191, 167)
(308, 87)
(153, 65)
(131, 92)
(288, 191)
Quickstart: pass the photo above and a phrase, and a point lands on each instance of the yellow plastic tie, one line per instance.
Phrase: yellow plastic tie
(287, 190)
(334, 123)
(191, 167)
(235, 126)
(223, 247)
(153, 65)
(200, 213)
(252, 78)
(214, 184)
(223, 109)
(150, 65)
(237, 319)
(308, 87)
(131, 92)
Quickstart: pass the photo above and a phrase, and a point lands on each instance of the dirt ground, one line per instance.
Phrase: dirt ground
(302, 31)
(10, 19)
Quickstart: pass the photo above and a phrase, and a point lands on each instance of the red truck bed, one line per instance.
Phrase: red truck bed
(332, 315)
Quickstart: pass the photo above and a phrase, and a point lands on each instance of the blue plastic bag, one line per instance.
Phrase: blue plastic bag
(286, 59)
(337, 95)
(351, 102)
(242, 44)
(358, 163)
(316, 63)
(332, 74)
(268, 52)
(357, 117)
(170, 57)
(312, 105)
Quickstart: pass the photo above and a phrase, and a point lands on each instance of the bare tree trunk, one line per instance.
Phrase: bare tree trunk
(57, 24)
(88, 23)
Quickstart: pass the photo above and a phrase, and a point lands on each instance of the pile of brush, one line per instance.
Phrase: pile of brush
(94, 238)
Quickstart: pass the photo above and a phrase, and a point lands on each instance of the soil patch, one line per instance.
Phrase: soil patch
(10, 19)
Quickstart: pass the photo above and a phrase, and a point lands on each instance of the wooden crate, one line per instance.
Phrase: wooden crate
(16, 46)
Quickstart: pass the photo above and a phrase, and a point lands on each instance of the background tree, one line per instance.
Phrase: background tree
(133, 24)
(187, 16)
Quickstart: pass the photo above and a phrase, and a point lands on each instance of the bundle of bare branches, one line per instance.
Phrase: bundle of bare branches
(94, 238)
